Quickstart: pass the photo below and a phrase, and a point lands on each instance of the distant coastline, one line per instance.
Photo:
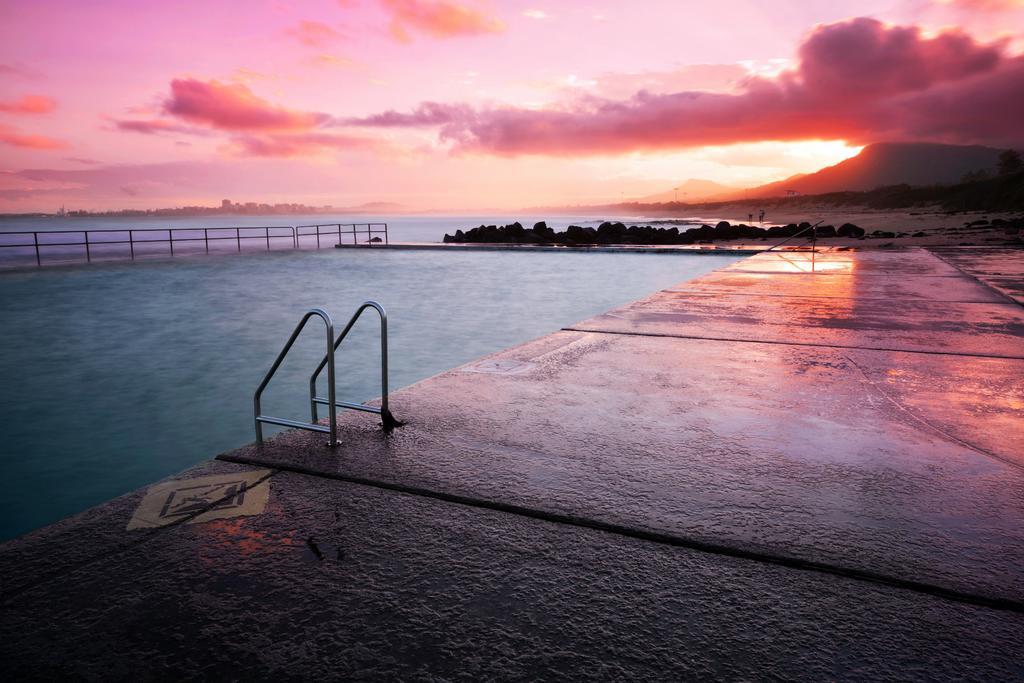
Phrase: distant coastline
(226, 208)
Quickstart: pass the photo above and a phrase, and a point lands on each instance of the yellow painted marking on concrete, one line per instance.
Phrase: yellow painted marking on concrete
(230, 495)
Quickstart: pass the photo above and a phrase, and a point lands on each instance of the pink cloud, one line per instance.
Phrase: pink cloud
(257, 127)
(19, 70)
(233, 107)
(300, 144)
(10, 136)
(155, 126)
(438, 19)
(427, 114)
(858, 80)
(29, 104)
(865, 58)
(313, 33)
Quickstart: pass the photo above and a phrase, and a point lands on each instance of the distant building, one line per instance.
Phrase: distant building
(225, 203)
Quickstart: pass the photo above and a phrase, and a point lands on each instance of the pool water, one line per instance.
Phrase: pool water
(117, 374)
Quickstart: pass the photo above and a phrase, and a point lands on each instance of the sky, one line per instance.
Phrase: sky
(480, 104)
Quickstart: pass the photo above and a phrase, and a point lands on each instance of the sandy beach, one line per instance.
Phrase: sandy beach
(941, 228)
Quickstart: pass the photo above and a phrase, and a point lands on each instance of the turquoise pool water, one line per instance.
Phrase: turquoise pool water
(120, 373)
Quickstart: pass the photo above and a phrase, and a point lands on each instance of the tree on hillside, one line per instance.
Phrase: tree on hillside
(1010, 162)
(975, 176)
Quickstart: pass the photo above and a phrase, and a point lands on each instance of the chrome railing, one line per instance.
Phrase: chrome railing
(387, 419)
(258, 416)
(69, 245)
(372, 232)
(813, 239)
(131, 240)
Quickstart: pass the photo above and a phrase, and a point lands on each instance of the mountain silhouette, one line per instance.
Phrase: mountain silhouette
(882, 164)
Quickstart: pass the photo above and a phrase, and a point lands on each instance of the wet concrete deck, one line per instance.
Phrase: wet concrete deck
(777, 470)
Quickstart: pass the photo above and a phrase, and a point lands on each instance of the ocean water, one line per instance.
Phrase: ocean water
(401, 228)
(119, 373)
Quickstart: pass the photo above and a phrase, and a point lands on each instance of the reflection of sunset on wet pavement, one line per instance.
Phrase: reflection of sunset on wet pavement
(833, 456)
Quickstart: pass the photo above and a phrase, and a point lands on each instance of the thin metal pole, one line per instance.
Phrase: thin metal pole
(170, 239)
(814, 244)
(238, 238)
(318, 237)
(388, 420)
(88, 256)
(206, 239)
(35, 237)
(266, 231)
(131, 243)
(333, 415)
(385, 414)
(333, 419)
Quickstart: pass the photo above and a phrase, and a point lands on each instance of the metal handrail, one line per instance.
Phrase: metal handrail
(237, 237)
(353, 230)
(387, 419)
(258, 416)
(813, 239)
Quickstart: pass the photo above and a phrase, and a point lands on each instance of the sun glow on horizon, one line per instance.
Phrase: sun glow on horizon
(462, 104)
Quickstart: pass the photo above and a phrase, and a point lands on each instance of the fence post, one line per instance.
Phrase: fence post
(88, 256)
(131, 243)
(238, 238)
(266, 231)
(35, 238)
(206, 239)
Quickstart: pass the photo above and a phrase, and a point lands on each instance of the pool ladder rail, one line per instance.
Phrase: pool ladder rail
(388, 421)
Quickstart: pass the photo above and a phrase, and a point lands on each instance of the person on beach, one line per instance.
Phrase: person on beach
(761, 215)
(750, 218)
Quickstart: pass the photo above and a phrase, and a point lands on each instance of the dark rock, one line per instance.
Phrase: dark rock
(578, 235)
(849, 230)
(826, 231)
